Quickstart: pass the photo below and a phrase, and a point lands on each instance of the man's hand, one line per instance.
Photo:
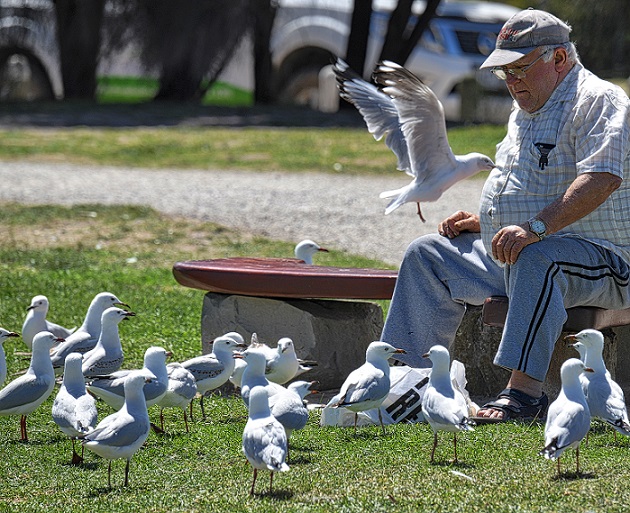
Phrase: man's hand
(508, 243)
(460, 221)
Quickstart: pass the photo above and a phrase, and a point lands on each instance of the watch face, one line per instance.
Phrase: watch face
(537, 226)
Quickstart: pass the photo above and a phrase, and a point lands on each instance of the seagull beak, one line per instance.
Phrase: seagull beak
(13, 334)
(59, 339)
(237, 356)
(169, 354)
(129, 314)
(570, 338)
(123, 304)
(588, 369)
(400, 351)
(30, 307)
(323, 249)
(425, 355)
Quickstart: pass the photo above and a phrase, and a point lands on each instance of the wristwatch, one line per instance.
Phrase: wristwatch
(538, 227)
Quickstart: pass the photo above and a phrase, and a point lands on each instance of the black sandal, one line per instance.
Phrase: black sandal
(526, 407)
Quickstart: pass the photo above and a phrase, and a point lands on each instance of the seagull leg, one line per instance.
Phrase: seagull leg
(76, 459)
(127, 473)
(191, 413)
(380, 418)
(435, 442)
(355, 423)
(455, 447)
(270, 482)
(577, 459)
(203, 412)
(162, 419)
(251, 490)
(109, 474)
(186, 420)
(559, 472)
(420, 213)
(23, 436)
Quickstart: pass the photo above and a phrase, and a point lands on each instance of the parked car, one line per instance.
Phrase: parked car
(307, 36)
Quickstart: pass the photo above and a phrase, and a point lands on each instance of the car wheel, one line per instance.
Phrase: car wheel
(302, 88)
(23, 78)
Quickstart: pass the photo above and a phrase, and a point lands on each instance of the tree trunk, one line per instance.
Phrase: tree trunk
(423, 22)
(359, 33)
(396, 31)
(79, 37)
(264, 12)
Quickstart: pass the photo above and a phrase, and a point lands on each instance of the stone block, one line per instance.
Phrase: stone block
(333, 333)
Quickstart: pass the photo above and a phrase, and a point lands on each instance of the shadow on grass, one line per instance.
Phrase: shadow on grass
(277, 495)
(574, 476)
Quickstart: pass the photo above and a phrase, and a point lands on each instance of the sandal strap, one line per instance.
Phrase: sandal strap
(526, 405)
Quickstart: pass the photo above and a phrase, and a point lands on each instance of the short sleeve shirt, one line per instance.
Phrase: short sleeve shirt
(584, 127)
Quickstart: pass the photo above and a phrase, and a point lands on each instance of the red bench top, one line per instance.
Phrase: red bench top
(284, 277)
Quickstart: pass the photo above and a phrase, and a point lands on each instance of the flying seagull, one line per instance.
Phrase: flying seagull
(411, 118)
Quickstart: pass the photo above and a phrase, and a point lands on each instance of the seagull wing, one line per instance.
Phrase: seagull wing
(378, 111)
(421, 117)
(366, 383)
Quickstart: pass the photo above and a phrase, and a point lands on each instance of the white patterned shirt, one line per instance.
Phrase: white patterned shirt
(584, 127)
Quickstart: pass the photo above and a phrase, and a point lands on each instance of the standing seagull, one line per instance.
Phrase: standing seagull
(36, 321)
(444, 407)
(107, 356)
(182, 389)
(111, 389)
(214, 369)
(74, 410)
(306, 249)
(122, 433)
(367, 387)
(568, 417)
(24, 394)
(254, 374)
(288, 405)
(411, 118)
(264, 438)
(4, 334)
(86, 336)
(283, 364)
(604, 396)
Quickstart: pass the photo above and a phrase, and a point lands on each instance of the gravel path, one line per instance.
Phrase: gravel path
(341, 212)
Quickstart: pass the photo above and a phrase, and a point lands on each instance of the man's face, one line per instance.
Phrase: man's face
(534, 89)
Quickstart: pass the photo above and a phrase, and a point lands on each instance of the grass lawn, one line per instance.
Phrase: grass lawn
(69, 254)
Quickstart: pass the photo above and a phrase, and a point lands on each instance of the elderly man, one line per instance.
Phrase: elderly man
(553, 229)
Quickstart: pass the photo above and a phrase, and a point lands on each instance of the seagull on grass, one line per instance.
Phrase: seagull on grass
(264, 439)
(182, 389)
(604, 396)
(568, 417)
(26, 393)
(367, 387)
(85, 338)
(214, 369)
(411, 118)
(36, 321)
(74, 410)
(121, 434)
(444, 407)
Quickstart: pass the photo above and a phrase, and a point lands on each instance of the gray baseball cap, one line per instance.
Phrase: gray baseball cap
(524, 32)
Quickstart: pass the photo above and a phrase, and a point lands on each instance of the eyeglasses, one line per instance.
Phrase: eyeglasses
(502, 72)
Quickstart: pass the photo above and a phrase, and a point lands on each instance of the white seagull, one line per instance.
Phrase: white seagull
(264, 439)
(568, 417)
(214, 369)
(36, 321)
(604, 396)
(306, 249)
(411, 118)
(74, 410)
(444, 407)
(283, 363)
(111, 389)
(24, 394)
(85, 338)
(4, 335)
(107, 356)
(182, 389)
(367, 387)
(288, 406)
(254, 374)
(121, 434)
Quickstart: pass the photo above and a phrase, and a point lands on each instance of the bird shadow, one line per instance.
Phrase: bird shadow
(278, 495)
(574, 476)
(462, 465)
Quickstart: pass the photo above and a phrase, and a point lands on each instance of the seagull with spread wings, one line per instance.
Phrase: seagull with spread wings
(411, 118)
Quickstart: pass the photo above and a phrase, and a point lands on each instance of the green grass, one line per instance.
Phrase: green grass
(69, 254)
(331, 150)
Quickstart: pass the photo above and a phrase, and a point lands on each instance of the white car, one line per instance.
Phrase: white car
(309, 34)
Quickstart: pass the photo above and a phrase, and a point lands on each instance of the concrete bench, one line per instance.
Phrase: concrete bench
(328, 313)
(316, 306)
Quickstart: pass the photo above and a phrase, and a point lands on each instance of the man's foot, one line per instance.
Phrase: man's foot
(512, 404)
